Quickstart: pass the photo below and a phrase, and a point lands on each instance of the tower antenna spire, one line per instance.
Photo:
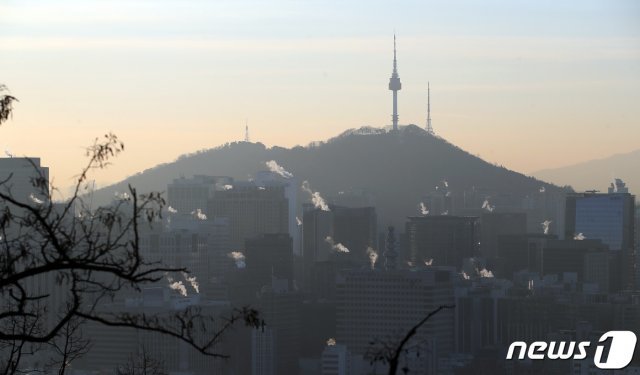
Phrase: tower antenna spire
(429, 127)
(246, 130)
(395, 86)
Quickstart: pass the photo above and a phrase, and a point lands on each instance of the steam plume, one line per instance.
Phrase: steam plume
(331, 342)
(373, 257)
(336, 246)
(423, 209)
(122, 196)
(316, 199)
(542, 189)
(545, 226)
(192, 280)
(428, 262)
(487, 206)
(465, 276)
(198, 214)
(579, 237)
(172, 210)
(227, 187)
(277, 168)
(35, 199)
(298, 221)
(239, 258)
(177, 285)
(484, 272)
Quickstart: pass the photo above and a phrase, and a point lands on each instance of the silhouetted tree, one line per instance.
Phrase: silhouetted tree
(389, 352)
(69, 345)
(6, 103)
(60, 261)
(141, 363)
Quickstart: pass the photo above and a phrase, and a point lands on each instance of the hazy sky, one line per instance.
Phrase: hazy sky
(526, 84)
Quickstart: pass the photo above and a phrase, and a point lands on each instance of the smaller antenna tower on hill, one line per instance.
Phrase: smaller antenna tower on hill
(429, 127)
(246, 130)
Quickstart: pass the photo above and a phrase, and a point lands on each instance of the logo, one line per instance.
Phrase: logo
(614, 350)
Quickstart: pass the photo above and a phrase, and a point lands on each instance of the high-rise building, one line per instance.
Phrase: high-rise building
(18, 176)
(476, 314)
(317, 226)
(186, 195)
(263, 351)
(335, 239)
(496, 224)
(200, 246)
(269, 256)
(251, 210)
(113, 347)
(519, 252)
(280, 308)
(385, 304)
(445, 239)
(610, 218)
(355, 228)
(335, 359)
(588, 259)
(290, 185)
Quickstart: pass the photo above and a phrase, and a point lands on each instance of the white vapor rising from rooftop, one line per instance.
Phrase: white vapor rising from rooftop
(579, 237)
(35, 199)
(177, 285)
(423, 209)
(192, 280)
(298, 221)
(428, 262)
(122, 196)
(316, 199)
(238, 257)
(446, 184)
(198, 214)
(545, 226)
(373, 256)
(465, 276)
(172, 210)
(227, 187)
(487, 206)
(277, 168)
(484, 272)
(336, 246)
(542, 189)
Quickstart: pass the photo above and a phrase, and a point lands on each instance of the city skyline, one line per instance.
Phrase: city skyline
(171, 78)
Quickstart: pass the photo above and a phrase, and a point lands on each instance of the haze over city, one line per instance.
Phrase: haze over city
(527, 85)
(319, 188)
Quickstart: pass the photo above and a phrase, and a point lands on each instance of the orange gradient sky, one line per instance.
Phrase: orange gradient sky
(529, 85)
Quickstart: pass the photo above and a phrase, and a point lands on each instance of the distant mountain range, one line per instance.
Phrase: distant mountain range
(398, 169)
(598, 174)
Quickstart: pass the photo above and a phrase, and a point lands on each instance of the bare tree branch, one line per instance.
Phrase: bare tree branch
(85, 256)
(389, 351)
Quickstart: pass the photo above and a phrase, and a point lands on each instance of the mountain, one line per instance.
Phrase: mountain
(397, 168)
(597, 174)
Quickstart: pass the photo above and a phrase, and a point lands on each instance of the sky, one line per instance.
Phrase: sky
(525, 84)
